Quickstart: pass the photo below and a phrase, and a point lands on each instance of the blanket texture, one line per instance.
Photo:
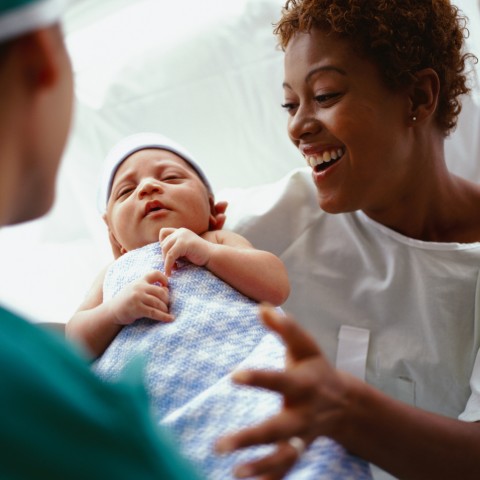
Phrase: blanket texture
(188, 364)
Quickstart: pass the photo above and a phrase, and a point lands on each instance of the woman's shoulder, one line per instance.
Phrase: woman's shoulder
(465, 223)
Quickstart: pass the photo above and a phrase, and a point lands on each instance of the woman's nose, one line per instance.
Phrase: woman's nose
(149, 186)
(303, 124)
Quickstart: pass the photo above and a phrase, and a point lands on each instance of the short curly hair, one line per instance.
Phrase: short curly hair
(400, 36)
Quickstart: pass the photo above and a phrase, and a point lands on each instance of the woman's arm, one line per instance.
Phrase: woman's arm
(319, 400)
(255, 273)
(96, 323)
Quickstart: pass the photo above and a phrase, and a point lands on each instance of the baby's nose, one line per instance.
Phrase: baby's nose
(149, 186)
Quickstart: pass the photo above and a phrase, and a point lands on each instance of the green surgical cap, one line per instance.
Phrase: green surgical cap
(22, 16)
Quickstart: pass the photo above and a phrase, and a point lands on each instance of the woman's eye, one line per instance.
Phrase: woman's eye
(324, 98)
(289, 107)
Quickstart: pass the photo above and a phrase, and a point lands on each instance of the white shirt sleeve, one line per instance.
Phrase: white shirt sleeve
(472, 410)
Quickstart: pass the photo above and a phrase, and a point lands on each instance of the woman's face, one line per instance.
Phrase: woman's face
(349, 126)
(152, 189)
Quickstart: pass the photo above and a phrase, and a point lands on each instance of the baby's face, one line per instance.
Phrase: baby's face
(153, 189)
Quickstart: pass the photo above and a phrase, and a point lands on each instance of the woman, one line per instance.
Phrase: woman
(372, 90)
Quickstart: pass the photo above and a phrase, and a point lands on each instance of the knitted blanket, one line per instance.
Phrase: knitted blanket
(188, 364)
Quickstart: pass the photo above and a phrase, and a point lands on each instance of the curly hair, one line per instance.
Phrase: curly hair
(400, 36)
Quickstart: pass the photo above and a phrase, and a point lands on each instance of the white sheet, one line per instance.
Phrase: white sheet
(204, 73)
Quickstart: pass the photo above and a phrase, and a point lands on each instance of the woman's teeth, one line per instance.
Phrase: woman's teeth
(327, 156)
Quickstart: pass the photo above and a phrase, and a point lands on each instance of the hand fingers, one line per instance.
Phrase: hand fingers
(221, 219)
(273, 466)
(165, 232)
(169, 262)
(157, 309)
(156, 276)
(278, 428)
(221, 206)
(299, 343)
(158, 292)
(168, 241)
(290, 384)
(161, 316)
(169, 253)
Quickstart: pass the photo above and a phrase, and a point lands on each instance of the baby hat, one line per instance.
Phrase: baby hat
(22, 16)
(131, 144)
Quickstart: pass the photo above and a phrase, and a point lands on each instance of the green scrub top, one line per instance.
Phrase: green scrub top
(59, 421)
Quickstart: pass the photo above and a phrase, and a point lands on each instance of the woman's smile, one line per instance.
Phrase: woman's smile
(323, 159)
(345, 122)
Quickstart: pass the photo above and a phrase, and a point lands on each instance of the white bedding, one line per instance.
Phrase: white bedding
(205, 73)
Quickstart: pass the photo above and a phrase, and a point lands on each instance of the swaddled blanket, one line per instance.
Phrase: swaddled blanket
(189, 362)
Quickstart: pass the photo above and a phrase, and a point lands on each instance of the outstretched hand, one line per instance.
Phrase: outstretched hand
(314, 397)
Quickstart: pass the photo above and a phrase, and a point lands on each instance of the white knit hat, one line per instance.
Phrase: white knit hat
(22, 16)
(131, 144)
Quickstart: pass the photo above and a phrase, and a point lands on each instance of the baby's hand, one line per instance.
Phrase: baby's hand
(183, 243)
(146, 297)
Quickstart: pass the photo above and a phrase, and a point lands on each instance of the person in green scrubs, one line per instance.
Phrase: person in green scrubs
(57, 420)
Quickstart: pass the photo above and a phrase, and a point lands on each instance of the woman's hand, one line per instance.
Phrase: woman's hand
(315, 402)
(146, 297)
(219, 216)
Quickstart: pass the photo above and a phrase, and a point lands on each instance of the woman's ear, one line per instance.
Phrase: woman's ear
(423, 95)
(217, 213)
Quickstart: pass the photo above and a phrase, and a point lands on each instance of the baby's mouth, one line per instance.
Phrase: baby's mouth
(322, 161)
(153, 206)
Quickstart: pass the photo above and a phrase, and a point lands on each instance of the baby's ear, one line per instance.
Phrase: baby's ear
(117, 248)
(217, 214)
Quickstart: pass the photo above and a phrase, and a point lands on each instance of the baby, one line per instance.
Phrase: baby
(183, 296)
(153, 191)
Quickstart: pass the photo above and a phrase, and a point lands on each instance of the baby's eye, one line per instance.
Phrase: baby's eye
(172, 177)
(124, 191)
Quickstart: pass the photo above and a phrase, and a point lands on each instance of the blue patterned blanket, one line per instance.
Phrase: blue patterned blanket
(188, 365)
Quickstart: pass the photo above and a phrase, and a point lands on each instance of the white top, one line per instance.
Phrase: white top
(418, 300)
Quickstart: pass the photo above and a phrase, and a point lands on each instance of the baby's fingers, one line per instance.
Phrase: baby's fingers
(169, 255)
(159, 293)
(161, 316)
(164, 233)
(156, 276)
(158, 309)
(169, 263)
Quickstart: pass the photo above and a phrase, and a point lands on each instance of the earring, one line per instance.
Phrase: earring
(414, 118)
